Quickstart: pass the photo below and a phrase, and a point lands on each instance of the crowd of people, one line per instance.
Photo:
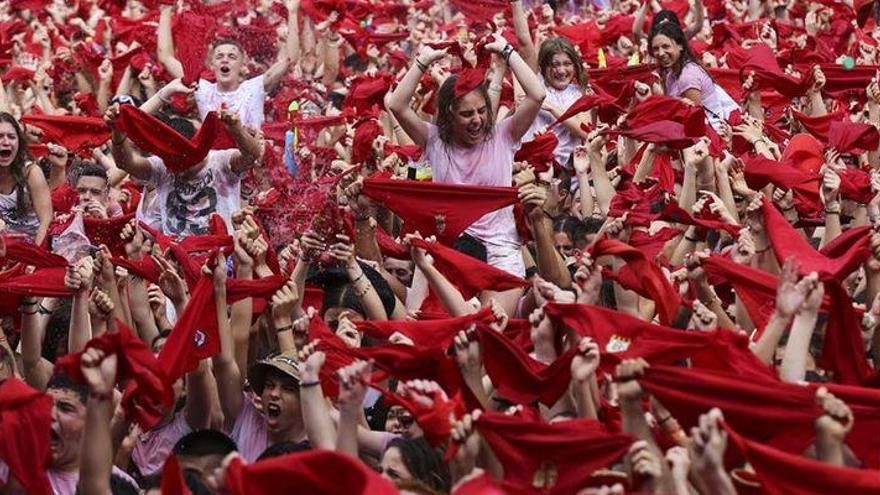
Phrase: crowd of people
(439, 247)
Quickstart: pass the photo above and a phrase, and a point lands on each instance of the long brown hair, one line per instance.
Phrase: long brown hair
(19, 163)
(446, 101)
(553, 46)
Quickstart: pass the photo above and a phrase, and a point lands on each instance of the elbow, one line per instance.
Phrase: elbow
(540, 95)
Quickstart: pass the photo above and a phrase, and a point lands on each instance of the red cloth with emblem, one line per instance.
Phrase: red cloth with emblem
(444, 210)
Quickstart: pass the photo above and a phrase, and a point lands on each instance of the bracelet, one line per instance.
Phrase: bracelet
(762, 250)
(43, 310)
(833, 211)
(29, 303)
(691, 239)
(27, 313)
(358, 278)
(495, 89)
(364, 292)
(506, 51)
(283, 329)
(422, 67)
(309, 384)
(102, 396)
(667, 418)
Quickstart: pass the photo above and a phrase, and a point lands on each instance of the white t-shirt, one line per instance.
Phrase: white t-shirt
(186, 206)
(489, 163)
(247, 100)
(562, 100)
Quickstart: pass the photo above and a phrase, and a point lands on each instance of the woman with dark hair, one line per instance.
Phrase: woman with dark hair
(667, 15)
(25, 203)
(683, 76)
(414, 459)
(465, 146)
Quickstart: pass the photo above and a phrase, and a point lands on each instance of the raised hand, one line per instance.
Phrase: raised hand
(586, 361)
(99, 370)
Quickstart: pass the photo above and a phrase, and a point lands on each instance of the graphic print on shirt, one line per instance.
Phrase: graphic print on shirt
(190, 205)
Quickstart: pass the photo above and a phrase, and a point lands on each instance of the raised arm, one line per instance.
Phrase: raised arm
(794, 359)
(249, 148)
(96, 458)
(399, 101)
(79, 279)
(37, 369)
(42, 200)
(527, 109)
(521, 27)
(315, 411)
(288, 53)
(165, 42)
(123, 154)
(228, 376)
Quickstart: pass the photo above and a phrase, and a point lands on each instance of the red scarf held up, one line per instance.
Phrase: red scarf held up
(663, 132)
(469, 275)
(608, 109)
(136, 363)
(196, 335)
(444, 210)
(430, 333)
(782, 473)
(778, 414)
(518, 377)
(853, 137)
(550, 458)
(25, 426)
(176, 151)
(843, 351)
(621, 336)
(31, 254)
(435, 420)
(77, 134)
(308, 472)
(539, 152)
(644, 277)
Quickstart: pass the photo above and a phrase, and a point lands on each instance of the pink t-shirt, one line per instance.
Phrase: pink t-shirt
(692, 77)
(249, 431)
(489, 163)
(64, 483)
(152, 448)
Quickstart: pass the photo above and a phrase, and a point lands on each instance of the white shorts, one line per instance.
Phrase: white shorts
(507, 257)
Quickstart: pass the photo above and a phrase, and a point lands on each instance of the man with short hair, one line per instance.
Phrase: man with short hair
(93, 187)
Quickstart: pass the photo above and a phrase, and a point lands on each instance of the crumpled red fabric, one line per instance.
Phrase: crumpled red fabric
(176, 151)
(539, 152)
(444, 210)
(25, 425)
(550, 458)
(135, 362)
(308, 471)
(431, 333)
(77, 134)
(784, 473)
(469, 275)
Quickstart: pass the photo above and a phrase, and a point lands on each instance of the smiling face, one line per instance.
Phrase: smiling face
(227, 61)
(9, 144)
(280, 398)
(68, 423)
(560, 71)
(470, 116)
(665, 50)
(401, 422)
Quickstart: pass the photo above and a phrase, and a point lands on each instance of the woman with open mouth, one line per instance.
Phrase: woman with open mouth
(25, 204)
(466, 145)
